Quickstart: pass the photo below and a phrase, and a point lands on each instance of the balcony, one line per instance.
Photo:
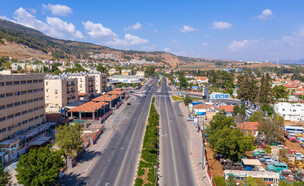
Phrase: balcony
(68, 91)
(72, 90)
(68, 84)
(73, 84)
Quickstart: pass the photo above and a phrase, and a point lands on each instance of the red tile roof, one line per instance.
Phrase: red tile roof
(88, 107)
(201, 106)
(81, 94)
(227, 108)
(104, 98)
(203, 78)
(249, 126)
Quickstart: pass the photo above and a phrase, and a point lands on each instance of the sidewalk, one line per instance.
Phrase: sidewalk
(196, 151)
(87, 159)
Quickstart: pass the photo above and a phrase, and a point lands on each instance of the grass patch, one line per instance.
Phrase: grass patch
(177, 98)
(146, 175)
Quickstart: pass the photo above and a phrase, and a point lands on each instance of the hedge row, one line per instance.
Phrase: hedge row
(149, 156)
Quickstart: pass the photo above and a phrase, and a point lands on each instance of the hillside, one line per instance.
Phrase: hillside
(22, 42)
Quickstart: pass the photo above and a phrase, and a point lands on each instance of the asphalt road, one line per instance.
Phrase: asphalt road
(116, 165)
(176, 167)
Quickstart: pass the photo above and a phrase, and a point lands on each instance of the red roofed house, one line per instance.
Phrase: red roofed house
(249, 127)
(228, 109)
(202, 79)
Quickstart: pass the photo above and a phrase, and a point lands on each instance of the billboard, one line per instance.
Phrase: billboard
(219, 96)
(196, 88)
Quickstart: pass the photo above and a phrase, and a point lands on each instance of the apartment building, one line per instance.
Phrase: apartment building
(60, 91)
(86, 84)
(290, 111)
(100, 82)
(126, 72)
(21, 103)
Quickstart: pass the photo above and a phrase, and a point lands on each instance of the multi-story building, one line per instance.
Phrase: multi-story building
(126, 72)
(290, 111)
(100, 82)
(21, 103)
(60, 91)
(86, 84)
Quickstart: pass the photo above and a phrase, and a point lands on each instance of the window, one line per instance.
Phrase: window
(36, 117)
(19, 124)
(40, 90)
(30, 101)
(9, 83)
(24, 122)
(2, 107)
(2, 95)
(31, 119)
(29, 91)
(35, 90)
(9, 94)
(16, 82)
(40, 80)
(24, 102)
(2, 130)
(41, 115)
(23, 82)
(29, 81)
(9, 105)
(2, 119)
(10, 116)
(23, 92)
(56, 91)
(17, 114)
(31, 110)
(36, 99)
(46, 83)
(41, 98)
(17, 93)
(35, 81)
(47, 90)
(24, 112)
(16, 104)
(1, 84)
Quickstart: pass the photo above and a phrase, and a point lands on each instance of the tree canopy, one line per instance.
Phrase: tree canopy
(68, 139)
(40, 166)
(280, 92)
(226, 139)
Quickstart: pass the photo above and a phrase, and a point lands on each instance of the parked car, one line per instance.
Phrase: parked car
(258, 152)
(277, 167)
(270, 161)
(299, 156)
(190, 118)
(264, 158)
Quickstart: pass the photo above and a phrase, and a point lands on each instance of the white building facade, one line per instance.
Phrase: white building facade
(290, 111)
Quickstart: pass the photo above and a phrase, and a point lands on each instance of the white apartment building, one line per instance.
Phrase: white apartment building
(86, 84)
(100, 82)
(140, 73)
(290, 111)
(60, 91)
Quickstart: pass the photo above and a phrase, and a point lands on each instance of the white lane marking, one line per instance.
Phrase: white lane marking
(170, 135)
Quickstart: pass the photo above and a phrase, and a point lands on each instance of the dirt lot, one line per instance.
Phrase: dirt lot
(215, 166)
(294, 146)
(287, 123)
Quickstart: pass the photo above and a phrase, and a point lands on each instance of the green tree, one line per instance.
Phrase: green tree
(40, 166)
(150, 71)
(231, 181)
(265, 94)
(256, 117)
(271, 128)
(279, 92)
(187, 100)
(226, 139)
(101, 68)
(5, 177)
(236, 110)
(57, 72)
(219, 180)
(68, 139)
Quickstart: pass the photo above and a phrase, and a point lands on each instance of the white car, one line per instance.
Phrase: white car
(190, 118)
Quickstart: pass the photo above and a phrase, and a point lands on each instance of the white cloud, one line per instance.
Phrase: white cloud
(98, 31)
(129, 40)
(186, 28)
(53, 26)
(167, 49)
(174, 41)
(59, 10)
(221, 25)
(33, 11)
(236, 46)
(266, 14)
(205, 44)
(155, 31)
(137, 26)
(5, 18)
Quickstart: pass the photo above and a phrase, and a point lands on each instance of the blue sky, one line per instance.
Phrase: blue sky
(241, 30)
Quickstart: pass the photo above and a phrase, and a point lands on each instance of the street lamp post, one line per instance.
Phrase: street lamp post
(104, 111)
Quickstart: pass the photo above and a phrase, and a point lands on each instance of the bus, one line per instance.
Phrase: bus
(293, 129)
(270, 178)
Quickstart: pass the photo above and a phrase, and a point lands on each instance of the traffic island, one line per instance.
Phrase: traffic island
(148, 165)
